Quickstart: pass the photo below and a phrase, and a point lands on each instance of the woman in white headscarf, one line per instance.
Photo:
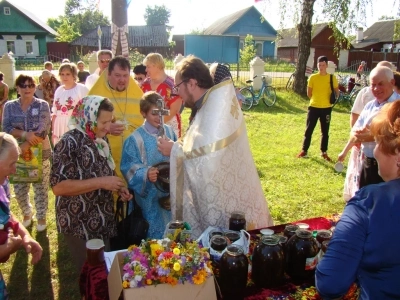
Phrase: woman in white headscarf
(83, 178)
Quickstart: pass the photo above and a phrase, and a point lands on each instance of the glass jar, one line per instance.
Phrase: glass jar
(213, 232)
(324, 247)
(302, 255)
(177, 224)
(218, 244)
(268, 263)
(232, 236)
(237, 221)
(290, 230)
(323, 235)
(233, 272)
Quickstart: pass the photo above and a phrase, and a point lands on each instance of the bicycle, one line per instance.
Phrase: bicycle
(267, 93)
(344, 95)
(289, 84)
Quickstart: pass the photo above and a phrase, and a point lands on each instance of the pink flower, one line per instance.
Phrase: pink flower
(64, 109)
(89, 132)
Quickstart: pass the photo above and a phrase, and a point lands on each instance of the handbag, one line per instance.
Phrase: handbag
(29, 167)
(132, 228)
(332, 99)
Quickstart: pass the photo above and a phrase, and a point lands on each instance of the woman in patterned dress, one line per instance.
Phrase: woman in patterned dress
(65, 99)
(83, 178)
(157, 80)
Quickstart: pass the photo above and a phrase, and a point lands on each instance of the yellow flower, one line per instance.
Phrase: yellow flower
(149, 282)
(176, 251)
(125, 284)
(154, 248)
(131, 247)
(202, 272)
(165, 263)
(177, 266)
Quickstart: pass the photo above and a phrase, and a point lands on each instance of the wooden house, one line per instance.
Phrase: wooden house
(321, 44)
(143, 38)
(22, 33)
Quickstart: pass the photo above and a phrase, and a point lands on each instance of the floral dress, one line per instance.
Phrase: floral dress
(165, 90)
(64, 103)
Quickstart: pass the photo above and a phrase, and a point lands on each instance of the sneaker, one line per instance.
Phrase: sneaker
(325, 156)
(302, 154)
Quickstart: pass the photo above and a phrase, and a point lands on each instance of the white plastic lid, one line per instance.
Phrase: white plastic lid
(303, 225)
(94, 244)
(266, 231)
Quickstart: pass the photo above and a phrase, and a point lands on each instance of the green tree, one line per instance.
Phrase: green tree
(249, 50)
(66, 32)
(82, 16)
(157, 15)
(344, 16)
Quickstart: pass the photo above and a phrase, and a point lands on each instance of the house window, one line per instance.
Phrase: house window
(11, 46)
(259, 49)
(241, 45)
(7, 11)
(29, 47)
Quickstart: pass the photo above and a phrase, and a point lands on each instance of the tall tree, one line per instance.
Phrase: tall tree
(81, 15)
(157, 15)
(344, 17)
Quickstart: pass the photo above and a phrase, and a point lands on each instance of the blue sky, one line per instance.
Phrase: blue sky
(192, 14)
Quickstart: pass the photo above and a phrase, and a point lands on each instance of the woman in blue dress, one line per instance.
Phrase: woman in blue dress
(139, 155)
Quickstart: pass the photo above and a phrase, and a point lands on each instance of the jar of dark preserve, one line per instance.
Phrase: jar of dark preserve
(290, 230)
(302, 255)
(237, 221)
(323, 235)
(177, 224)
(233, 272)
(232, 236)
(218, 243)
(268, 264)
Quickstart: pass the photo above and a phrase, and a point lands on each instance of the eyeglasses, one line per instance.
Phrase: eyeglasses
(24, 86)
(105, 60)
(175, 89)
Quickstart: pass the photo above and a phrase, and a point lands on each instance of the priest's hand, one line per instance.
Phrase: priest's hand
(117, 128)
(165, 146)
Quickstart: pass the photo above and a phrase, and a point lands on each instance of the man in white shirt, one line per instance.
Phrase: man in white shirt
(103, 59)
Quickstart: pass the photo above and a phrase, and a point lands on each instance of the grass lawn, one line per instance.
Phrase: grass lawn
(295, 189)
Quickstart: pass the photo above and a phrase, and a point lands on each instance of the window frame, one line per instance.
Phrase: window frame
(7, 11)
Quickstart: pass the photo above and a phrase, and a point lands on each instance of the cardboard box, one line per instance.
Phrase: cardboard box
(187, 291)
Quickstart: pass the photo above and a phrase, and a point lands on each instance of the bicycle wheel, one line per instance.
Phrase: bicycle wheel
(248, 97)
(353, 97)
(269, 97)
(289, 84)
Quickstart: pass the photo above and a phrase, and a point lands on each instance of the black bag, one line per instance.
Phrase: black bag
(132, 228)
(333, 99)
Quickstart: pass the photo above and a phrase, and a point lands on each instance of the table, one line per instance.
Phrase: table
(93, 279)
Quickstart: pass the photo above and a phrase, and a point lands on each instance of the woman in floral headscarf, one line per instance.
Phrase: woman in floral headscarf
(83, 178)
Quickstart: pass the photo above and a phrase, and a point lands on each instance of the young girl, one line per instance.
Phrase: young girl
(139, 155)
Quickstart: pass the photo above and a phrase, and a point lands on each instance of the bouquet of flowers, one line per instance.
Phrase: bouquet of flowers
(165, 261)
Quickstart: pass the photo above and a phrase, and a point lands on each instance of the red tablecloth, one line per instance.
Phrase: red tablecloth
(93, 280)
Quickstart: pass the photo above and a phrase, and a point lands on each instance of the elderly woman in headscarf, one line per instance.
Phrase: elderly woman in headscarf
(83, 178)
(9, 152)
(365, 246)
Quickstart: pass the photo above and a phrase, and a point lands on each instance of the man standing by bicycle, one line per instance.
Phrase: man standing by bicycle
(320, 108)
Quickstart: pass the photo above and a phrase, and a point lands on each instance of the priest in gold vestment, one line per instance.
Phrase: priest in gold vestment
(117, 85)
(212, 171)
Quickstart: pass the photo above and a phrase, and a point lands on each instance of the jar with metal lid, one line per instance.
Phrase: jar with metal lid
(268, 264)
(290, 230)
